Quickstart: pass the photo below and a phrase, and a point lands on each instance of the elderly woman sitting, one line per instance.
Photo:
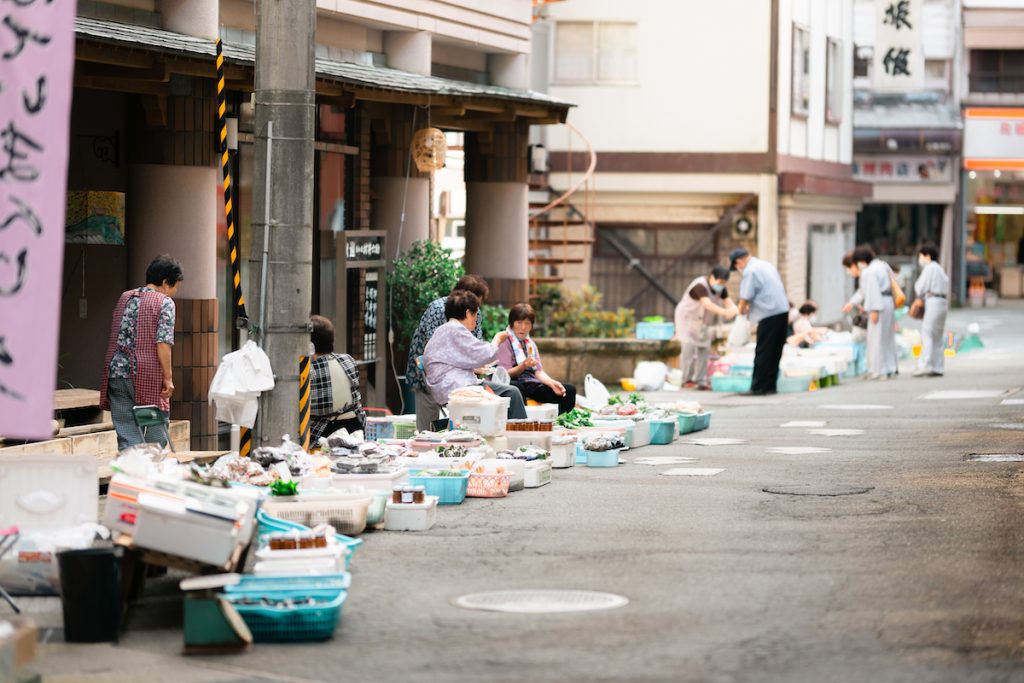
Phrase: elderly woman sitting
(453, 354)
(805, 334)
(518, 354)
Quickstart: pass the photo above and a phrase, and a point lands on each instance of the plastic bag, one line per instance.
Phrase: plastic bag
(740, 333)
(650, 376)
(241, 377)
(596, 393)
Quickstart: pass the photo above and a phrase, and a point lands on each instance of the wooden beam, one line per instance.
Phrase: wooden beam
(122, 85)
(85, 52)
(157, 72)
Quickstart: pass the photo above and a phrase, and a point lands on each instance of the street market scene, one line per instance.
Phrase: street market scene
(525, 340)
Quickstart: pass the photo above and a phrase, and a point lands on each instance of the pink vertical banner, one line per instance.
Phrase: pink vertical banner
(37, 42)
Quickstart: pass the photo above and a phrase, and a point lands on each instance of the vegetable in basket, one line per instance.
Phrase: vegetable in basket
(284, 488)
(574, 419)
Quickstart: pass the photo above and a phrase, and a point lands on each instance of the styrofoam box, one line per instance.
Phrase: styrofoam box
(382, 481)
(538, 473)
(546, 411)
(486, 419)
(515, 466)
(311, 567)
(563, 455)
(642, 434)
(411, 516)
(538, 439)
(167, 526)
(334, 551)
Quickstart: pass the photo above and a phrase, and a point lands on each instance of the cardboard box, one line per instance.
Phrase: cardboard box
(1010, 282)
(17, 648)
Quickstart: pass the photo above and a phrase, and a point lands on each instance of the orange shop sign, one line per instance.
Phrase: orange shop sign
(993, 138)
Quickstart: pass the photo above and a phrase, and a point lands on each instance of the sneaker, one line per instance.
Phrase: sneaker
(920, 373)
(690, 385)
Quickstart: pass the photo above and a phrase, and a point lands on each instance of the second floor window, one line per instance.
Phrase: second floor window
(801, 71)
(834, 83)
(590, 52)
(997, 71)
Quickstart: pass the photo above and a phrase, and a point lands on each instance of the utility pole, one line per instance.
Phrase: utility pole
(283, 201)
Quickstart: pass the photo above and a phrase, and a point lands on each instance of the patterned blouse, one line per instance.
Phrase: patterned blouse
(328, 402)
(120, 365)
(432, 319)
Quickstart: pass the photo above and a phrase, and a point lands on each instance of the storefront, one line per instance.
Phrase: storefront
(993, 215)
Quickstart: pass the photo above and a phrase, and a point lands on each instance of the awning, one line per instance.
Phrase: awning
(358, 76)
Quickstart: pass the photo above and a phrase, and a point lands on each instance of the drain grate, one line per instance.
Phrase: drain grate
(995, 457)
(540, 601)
(818, 490)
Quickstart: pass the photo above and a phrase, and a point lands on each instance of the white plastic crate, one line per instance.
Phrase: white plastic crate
(381, 481)
(642, 434)
(539, 439)
(486, 419)
(563, 455)
(411, 516)
(547, 412)
(345, 512)
(538, 473)
(168, 526)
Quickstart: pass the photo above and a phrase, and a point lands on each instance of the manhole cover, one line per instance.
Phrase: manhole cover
(996, 457)
(540, 601)
(818, 490)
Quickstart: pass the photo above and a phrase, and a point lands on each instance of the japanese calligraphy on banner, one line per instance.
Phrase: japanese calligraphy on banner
(903, 169)
(36, 66)
(898, 61)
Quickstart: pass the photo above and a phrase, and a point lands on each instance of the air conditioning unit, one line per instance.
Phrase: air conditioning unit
(744, 227)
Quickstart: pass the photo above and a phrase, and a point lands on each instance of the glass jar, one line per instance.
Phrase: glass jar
(396, 495)
(419, 494)
(407, 494)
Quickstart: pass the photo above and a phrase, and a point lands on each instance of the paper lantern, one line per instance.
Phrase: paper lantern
(429, 149)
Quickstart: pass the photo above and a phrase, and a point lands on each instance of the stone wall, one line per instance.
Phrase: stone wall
(609, 360)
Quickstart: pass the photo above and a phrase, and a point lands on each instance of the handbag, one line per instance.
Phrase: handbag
(899, 299)
(917, 309)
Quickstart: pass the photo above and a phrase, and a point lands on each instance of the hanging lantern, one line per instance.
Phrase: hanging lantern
(429, 149)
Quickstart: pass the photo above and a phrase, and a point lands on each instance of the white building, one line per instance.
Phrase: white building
(907, 134)
(696, 108)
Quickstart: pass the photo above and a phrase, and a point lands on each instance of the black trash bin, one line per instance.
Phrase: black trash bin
(90, 593)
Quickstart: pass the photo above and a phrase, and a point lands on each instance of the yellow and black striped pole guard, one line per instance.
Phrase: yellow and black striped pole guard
(304, 402)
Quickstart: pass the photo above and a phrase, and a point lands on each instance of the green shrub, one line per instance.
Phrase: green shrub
(495, 319)
(418, 276)
(579, 314)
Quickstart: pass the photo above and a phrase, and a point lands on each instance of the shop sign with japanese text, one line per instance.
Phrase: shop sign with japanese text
(903, 169)
(898, 61)
(36, 66)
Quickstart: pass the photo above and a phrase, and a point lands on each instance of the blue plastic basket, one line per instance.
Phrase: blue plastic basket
(662, 432)
(603, 458)
(658, 331)
(731, 383)
(449, 490)
(270, 524)
(378, 428)
(703, 422)
(581, 454)
(289, 624)
(323, 587)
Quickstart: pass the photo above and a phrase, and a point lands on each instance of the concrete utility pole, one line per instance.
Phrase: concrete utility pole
(285, 95)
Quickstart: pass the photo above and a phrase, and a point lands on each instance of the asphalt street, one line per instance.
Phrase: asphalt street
(919, 579)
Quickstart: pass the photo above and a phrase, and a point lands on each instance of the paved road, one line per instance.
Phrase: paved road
(918, 580)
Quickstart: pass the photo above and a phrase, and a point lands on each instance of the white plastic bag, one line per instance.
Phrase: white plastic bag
(740, 334)
(596, 393)
(650, 375)
(236, 387)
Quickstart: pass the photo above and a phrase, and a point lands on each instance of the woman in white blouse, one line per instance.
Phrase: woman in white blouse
(931, 290)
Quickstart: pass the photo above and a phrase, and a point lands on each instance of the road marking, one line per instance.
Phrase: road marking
(962, 394)
(1013, 402)
(836, 432)
(857, 406)
(805, 423)
(663, 460)
(798, 450)
(716, 442)
(693, 472)
(540, 601)
(1008, 425)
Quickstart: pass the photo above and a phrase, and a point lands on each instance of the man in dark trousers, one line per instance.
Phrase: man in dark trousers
(763, 300)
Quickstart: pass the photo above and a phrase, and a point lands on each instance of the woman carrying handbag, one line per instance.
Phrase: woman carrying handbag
(931, 305)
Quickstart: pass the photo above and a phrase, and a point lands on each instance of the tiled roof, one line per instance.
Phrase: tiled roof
(364, 75)
(892, 116)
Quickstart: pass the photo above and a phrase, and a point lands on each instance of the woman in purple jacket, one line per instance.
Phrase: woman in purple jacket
(518, 354)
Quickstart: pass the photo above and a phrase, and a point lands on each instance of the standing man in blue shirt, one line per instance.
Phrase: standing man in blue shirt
(763, 299)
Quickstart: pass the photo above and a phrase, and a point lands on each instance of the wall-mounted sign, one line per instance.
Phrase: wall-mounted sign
(903, 169)
(898, 61)
(993, 138)
(368, 247)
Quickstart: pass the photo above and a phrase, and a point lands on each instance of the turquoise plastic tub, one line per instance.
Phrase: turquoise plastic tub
(662, 432)
(603, 458)
(324, 587)
(703, 421)
(292, 623)
(793, 385)
(449, 490)
(659, 331)
(269, 524)
(687, 422)
(731, 383)
(581, 454)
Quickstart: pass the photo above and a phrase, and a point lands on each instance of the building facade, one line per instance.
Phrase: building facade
(143, 134)
(992, 176)
(907, 129)
(710, 132)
